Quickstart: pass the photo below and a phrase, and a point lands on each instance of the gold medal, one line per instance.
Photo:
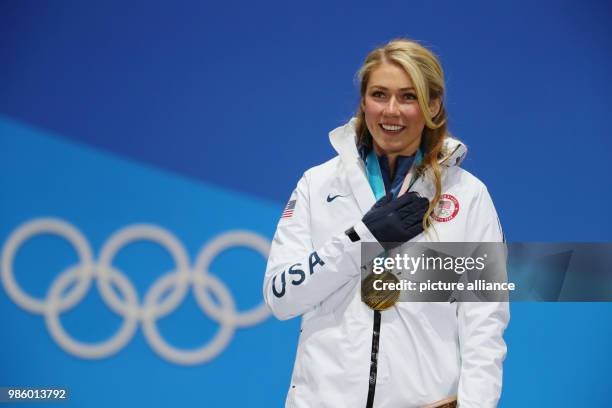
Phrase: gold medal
(381, 299)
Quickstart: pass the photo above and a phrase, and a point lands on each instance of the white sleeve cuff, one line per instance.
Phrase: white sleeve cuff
(355, 248)
(364, 233)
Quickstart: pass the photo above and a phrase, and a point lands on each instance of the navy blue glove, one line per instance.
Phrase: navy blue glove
(393, 222)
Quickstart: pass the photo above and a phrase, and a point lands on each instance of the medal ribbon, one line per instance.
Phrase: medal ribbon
(375, 176)
(383, 300)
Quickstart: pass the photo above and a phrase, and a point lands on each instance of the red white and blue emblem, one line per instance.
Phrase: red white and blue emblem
(288, 212)
(446, 209)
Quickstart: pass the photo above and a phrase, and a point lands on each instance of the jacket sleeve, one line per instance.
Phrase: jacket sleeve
(299, 276)
(481, 325)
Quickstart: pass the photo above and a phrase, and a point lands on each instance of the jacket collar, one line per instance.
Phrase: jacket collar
(344, 141)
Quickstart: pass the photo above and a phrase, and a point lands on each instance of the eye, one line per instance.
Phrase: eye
(409, 96)
(378, 94)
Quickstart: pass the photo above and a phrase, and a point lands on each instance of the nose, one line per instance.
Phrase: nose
(392, 107)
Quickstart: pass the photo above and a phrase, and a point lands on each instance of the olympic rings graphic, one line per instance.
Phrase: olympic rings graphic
(81, 275)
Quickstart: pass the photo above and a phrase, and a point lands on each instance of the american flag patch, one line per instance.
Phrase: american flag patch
(288, 212)
(444, 204)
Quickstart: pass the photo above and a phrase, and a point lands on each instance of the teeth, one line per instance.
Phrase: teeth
(392, 128)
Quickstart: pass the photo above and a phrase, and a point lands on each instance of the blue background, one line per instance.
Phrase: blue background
(200, 117)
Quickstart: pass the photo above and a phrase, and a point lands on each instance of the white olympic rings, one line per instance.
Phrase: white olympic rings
(128, 305)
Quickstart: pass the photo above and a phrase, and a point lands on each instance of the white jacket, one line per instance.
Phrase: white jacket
(427, 351)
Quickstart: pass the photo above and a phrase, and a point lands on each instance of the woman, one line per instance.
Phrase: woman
(411, 354)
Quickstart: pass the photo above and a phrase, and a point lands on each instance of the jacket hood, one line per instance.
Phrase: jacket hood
(344, 141)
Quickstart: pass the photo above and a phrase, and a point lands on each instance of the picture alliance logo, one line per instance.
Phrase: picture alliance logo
(156, 304)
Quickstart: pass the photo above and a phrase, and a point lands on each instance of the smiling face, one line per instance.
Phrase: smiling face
(392, 113)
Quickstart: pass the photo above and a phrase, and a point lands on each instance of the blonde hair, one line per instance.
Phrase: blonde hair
(427, 76)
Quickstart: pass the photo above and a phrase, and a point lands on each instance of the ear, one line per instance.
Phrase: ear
(362, 104)
(434, 106)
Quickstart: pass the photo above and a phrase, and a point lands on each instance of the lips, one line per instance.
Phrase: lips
(390, 128)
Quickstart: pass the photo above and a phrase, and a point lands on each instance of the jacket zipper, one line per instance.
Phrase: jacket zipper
(374, 359)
